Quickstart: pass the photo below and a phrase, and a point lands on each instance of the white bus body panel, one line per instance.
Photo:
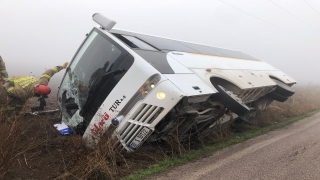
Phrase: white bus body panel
(173, 96)
(189, 84)
(192, 60)
(177, 66)
(241, 72)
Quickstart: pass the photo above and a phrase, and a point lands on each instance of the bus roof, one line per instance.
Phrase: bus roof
(164, 44)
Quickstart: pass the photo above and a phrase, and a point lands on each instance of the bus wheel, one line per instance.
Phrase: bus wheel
(231, 101)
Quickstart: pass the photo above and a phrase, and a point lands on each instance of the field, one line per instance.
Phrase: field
(31, 148)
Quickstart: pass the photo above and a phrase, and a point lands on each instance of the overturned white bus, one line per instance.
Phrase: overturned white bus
(148, 87)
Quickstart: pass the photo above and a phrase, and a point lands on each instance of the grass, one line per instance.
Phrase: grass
(31, 148)
(193, 154)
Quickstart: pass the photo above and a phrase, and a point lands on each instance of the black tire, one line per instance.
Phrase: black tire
(283, 89)
(277, 97)
(230, 101)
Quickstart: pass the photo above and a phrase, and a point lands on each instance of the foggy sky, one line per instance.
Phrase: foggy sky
(39, 34)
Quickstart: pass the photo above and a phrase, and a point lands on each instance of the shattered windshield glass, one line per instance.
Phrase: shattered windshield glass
(99, 65)
(94, 59)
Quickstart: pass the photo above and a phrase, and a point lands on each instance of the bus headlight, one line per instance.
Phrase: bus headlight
(161, 95)
(150, 84)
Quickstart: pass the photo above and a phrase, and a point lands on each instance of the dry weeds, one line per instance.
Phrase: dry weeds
(30, 147)
(305, 99)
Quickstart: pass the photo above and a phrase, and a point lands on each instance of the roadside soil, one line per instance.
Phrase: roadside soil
(32, 148)
(36, 156)
(288, 153)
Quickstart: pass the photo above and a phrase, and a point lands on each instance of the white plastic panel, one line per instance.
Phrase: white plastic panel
(282, 76)
(240, 78)
(191, 60)
(173, 96)
(177, 67)
(103, 21)
(189, 84)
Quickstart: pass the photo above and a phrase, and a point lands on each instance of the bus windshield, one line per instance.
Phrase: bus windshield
(98, 56)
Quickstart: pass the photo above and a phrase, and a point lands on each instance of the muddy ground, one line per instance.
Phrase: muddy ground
(31, 148)
(34, 154)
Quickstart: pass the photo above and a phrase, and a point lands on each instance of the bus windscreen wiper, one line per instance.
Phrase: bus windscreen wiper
(94, 90)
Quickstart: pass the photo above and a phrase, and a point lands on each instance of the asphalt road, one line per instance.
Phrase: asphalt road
(291, 153)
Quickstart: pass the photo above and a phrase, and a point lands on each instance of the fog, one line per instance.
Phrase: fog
(39, 34)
